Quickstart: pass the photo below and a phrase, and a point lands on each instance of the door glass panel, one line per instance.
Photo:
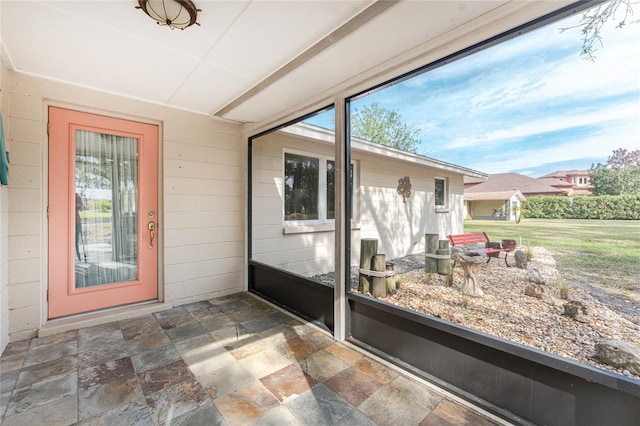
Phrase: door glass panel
(106, 183)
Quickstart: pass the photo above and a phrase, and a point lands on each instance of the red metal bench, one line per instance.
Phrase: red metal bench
(492, 249)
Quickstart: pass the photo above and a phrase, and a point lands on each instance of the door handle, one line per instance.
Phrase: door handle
(152, 232)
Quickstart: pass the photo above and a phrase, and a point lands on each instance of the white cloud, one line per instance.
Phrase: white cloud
(595, 146)
(626, 115)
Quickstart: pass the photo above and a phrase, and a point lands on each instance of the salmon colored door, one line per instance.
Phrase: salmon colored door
(103, 201)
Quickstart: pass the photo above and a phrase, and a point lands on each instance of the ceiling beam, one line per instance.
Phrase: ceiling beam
(343, 31)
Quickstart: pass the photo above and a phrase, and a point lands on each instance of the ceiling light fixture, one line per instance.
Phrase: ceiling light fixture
(172, 13)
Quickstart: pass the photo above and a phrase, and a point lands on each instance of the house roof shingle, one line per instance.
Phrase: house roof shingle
(556, 182)
(496, 195)
(564, 173)
(500, 182)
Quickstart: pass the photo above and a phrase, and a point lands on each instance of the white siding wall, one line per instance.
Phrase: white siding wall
(400, 227)
(485, 208)
(302, 253)
(201, 226)
(380, 212)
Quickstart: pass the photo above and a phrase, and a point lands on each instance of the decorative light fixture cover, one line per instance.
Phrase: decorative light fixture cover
(172, 13)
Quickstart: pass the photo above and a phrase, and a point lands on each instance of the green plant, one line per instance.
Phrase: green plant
(528, 252)
(517, 213)
(563, 288)
(465, 301)
(603, 207)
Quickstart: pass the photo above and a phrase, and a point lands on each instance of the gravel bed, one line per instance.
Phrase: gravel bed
(505, 311)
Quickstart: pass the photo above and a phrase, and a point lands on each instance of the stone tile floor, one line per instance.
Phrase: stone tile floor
(228, 361)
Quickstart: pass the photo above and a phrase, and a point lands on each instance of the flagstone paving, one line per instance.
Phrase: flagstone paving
(228, 361)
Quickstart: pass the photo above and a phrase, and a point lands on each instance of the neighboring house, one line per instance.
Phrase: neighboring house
(499, 196)
(529, 187)
(576, 182)
(498, 205)
(296, 231)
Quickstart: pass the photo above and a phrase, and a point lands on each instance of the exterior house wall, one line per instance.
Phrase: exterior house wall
(201, 228)
(379, 211)
(485, 208)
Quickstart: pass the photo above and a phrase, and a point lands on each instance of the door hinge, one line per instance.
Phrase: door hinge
(47, 212)
(48, 127)
(47, 295)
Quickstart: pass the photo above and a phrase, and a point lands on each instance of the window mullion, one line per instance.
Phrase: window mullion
(322, 189)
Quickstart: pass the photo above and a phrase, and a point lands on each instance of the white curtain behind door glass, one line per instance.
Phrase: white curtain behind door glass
(106, 183)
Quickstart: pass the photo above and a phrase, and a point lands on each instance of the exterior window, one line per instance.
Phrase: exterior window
(301, 187)
(441, 193)
(309, 193)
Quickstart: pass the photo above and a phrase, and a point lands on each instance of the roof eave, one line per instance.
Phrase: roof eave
(327, 136)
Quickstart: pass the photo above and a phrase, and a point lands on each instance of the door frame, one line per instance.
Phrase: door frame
(44, 255)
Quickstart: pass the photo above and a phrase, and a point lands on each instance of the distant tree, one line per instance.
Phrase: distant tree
(594, 19)
(380, 125)
(619, 176)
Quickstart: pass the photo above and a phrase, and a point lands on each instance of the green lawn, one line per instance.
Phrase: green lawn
(94, 214)
(605, 252)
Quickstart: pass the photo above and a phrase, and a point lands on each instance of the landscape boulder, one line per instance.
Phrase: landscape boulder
(534, 290)
(620, 354)
(521, 259)
(535, 277)
(576, 310)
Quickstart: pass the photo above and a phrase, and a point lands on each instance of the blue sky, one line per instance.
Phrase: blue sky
(531, 105)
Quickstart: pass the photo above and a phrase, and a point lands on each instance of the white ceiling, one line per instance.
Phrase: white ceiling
(248, 61)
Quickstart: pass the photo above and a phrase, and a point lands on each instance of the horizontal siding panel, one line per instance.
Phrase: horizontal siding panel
(266, 218)
(190, 169)
(25, 200)
(22, 295)
(203, 252)
(22, 130)
(264, 232)
(23, 247)
(204, 154)
(202, 186)
(267, 176)
(203, 269)
(205, 137)
(202, 288)
(268, 163)
(183, 237)
(292, 242)
(25, 319)
(197, 219)
(25, 154)
(212, 203)
(25, 177)
(24, 271)
(267, 204)
(25, 223)
(268, 189)
(24, 106)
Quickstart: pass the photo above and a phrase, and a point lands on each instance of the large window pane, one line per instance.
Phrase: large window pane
(292, 174)
(106, 200)
(301, 187)
(517, 111)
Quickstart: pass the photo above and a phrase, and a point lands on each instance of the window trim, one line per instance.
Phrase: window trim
(322, 224)
(441, 208)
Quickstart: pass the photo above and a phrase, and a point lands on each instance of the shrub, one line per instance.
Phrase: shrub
(618, 207)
